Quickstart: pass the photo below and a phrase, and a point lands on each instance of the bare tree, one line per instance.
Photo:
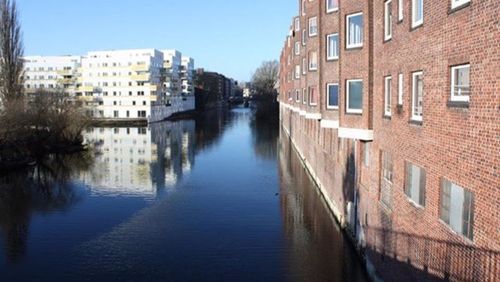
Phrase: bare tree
(11, 53)
(265, 78)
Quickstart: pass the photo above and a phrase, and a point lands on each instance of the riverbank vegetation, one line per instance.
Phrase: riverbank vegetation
(31, 126)
(265, 99)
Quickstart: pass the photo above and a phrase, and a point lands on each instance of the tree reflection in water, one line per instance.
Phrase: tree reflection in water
(38, 190)
(265, 133)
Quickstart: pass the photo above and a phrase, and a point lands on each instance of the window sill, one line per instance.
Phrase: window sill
(413, 28)
(457, 104)
(332, 108)
(387, 40)
(354, 48)
(416, 122)
(414, 204)
(458, 8)
(332, 59)
(353, 114)
(387, 117)
(399, 109)
(399, 21)
(453, 232)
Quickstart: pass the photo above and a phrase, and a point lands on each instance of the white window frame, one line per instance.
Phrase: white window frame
(400, 10)
(297, 24)
(460, 98)
(388, 20)
(297, 48)
(297, 72)
(408, 188)
(309, 96)
(357, 45)
(400, 89)
(348, 109)
(336, 56)
(311, 67)
(304, 37)
(304, 96)
(328, 107)
(329, 9)
(416, 23)
(413, 100)
(304, 66)
(387, 96)
(303, 7)
(458, 3)
(297, 95)
(313, 19)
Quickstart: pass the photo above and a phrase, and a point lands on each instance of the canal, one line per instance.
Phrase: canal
(218, 198)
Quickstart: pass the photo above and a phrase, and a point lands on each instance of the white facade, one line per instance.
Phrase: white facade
(118, 84)
(121, 84)
(187, 75)
(51, 73)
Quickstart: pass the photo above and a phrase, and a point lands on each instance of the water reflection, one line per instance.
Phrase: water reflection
(39, 190)
(319, 251)
(140, 161)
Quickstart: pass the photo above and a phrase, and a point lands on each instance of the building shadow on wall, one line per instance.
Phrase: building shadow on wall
(400, 256)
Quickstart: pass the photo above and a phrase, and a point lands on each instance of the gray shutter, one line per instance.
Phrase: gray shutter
(421, 200)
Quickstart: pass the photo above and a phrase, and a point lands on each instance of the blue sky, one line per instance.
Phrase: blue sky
(229, 36)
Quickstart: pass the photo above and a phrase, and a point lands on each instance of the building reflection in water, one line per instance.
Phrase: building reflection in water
(140, 161)
(319, 251)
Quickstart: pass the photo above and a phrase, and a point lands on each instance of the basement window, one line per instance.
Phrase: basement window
(457, 208)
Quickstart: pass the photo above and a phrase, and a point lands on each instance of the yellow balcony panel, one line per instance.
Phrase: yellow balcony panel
(167, 65)
(86, 98)
(66, 80)
(65, 72)
(153, 97)
(153, 88)
(85, 89)
(142, 67)
(140, 77)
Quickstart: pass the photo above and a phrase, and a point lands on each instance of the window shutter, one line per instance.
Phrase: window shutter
(408, 179)
(421, 200)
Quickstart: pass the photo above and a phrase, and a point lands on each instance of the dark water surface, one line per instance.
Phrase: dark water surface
(220, 198)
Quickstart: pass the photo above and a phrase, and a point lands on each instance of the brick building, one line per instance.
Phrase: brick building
(395, 108)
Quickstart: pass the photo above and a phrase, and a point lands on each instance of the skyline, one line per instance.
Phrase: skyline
(61, 34)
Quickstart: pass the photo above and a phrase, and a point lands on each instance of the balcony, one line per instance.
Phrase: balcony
(65, 72)
(153, 98)
(141, 77)
(85, 89)
(66, 80)
(140, 67)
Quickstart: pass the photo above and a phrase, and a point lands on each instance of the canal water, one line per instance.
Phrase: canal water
(218, 198)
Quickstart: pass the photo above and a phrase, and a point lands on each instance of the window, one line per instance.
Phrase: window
(354, 30)
(297, 24)
(460, 83)
(387, 178)
(304, 96)
(297, 95)
(304, 37)
(417, 13)
(400, 10)
(312, 96)
(297, 48)
(313, 27)
(458, 3)
(388, 20)
(303, 7)
(400, 89)
(313, 61)
(354, 97)
(304, 66)
(417, 96)
(332, 97)
(415, 184)
(457, 208)
(387, 96)
(115, 114)
(366, 154)
(332, 47)
(297, 72)
(332, 5)
(141, 114)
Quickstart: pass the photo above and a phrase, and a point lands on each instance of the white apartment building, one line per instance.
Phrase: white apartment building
(121, 84)
(142, 84)
(172, 65)
(187, 75)
(54, 73)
